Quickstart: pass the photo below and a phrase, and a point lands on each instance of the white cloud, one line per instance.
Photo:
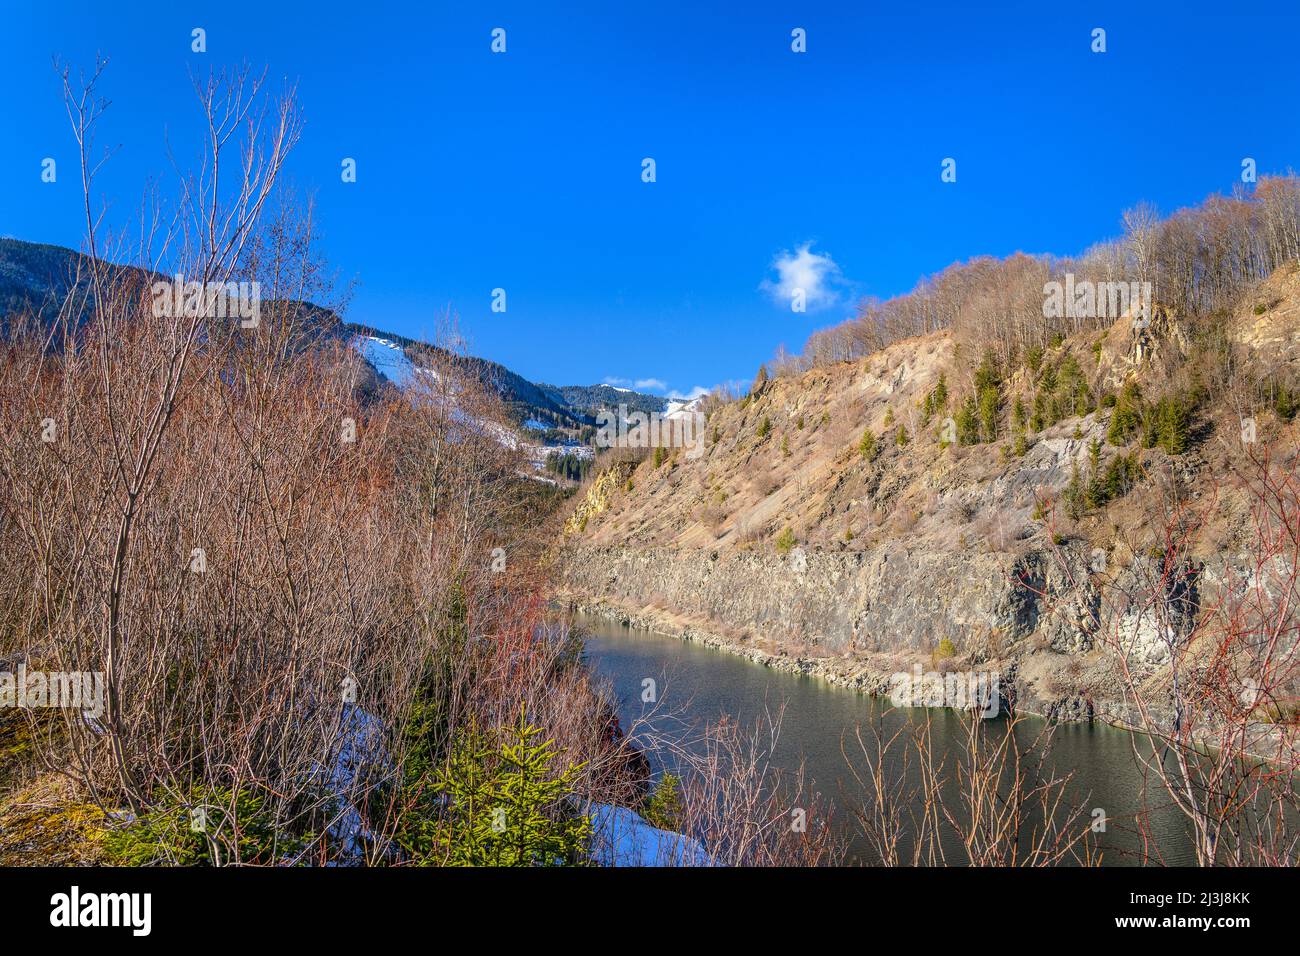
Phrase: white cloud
(817, 274)
(694, 393)
(659, 385)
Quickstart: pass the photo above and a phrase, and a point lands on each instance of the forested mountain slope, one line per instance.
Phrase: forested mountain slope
(36, 278)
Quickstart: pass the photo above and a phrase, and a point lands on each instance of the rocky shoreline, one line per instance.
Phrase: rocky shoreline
(872, 675)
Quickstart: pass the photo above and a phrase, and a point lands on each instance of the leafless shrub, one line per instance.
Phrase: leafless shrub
(243, 546)
(712, 517)
(744, 809)
(993, 800)
(1210, 670)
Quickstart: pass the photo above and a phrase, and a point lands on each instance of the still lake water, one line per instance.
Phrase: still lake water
(699, 685)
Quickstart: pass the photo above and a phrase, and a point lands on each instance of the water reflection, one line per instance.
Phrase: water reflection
(702, 685)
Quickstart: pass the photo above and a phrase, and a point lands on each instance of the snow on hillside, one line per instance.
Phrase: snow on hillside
(390, 359)
(682, 409)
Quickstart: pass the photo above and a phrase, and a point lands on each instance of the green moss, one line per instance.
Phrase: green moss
(15, 745)
(20, 733)
(41, 827)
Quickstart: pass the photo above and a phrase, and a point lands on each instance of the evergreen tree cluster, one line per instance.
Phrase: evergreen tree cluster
(504, 805)
(1102, 485)
(936, 400)
(1164, 424)
(1062, 392)
(569, 465)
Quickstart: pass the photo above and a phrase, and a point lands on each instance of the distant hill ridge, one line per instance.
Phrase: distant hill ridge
(37, 277)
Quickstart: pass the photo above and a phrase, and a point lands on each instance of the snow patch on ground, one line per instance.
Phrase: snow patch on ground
(621, 837)
(361, 748)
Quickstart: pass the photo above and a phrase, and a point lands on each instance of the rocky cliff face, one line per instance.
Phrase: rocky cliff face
(887, 599)
(856, 619)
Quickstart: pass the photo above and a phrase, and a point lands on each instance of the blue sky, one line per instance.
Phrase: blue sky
(523, 170)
